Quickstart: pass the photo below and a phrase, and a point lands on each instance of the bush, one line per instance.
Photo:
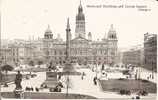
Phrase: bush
(51, 90)
(143, 93)
(60, 84)
(43, 85)
(33, 75)
(122, 92)
(145, 80)
(126, 72)
(125, 92)
(5, 85)
(121, 79)
(27, 77)
(137, 97)
(128, 92)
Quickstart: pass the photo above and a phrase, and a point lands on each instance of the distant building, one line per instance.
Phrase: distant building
(82, 50)
(6, 55)
(21, 52)
(133, 57)
(150, 51)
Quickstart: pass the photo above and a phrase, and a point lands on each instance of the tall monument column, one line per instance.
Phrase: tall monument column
(68, 36)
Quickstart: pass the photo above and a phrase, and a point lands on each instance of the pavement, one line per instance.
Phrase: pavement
(78, 86)
(87, 87)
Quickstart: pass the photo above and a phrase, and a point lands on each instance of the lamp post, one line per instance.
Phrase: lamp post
(152, 70)
(67, 85)
(0, 59)
(0, 81)
(96, 68)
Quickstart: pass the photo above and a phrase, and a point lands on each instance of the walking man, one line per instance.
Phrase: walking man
(95, 80)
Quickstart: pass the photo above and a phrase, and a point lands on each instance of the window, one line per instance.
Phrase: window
(55, 52)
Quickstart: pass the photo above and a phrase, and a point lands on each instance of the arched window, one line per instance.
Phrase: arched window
(55, 52)
(112, 36)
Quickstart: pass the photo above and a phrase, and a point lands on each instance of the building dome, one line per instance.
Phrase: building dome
(48, 33)
(89, 34)
(112, 33)
(48, 30)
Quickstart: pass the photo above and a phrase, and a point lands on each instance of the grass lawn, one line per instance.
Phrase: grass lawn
(39, 95)
(115, 85)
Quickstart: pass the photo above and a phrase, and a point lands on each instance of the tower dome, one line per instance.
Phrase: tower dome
(48, 30)
(80, 22)
(112, 33)
(48, 33)
(89, 36)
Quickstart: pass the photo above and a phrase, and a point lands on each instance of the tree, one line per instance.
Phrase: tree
(7, 68)
(31, 63)
(1, 75)
(40, 62)
(52, 67)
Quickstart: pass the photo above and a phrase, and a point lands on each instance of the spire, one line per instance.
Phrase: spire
(80, 3)
(48, 26)
(111, 26)
(48, 30)
(68, 24)
(80, 7)
(105, 35)
(58, 36)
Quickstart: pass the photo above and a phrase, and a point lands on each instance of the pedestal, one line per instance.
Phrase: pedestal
(19, 93)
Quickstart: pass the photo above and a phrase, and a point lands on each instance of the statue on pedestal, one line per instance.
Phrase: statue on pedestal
(18, 80)
(18, 89)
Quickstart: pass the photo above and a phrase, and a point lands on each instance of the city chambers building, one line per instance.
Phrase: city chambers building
(82, 50)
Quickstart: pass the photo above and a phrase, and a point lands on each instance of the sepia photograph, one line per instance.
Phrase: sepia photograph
(78, 49)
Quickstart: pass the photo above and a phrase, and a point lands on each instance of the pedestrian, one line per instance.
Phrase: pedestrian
(84, 74)
(95, 80)
(106, 75)
(59, 77)
(82, 77)
(37, 90)
(31, 88)
(150, 76)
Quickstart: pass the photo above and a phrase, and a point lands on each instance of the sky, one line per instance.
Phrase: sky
(21, 19)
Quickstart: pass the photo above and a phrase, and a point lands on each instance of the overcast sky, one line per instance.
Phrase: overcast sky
(24, 18)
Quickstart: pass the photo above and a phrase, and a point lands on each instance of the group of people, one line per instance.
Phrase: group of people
(150, 77)
(32, 89)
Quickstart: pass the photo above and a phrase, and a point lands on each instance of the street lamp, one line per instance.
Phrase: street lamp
(152, 70)
(0, 59)
(67, 84)
(0, 81)
(96, 68)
